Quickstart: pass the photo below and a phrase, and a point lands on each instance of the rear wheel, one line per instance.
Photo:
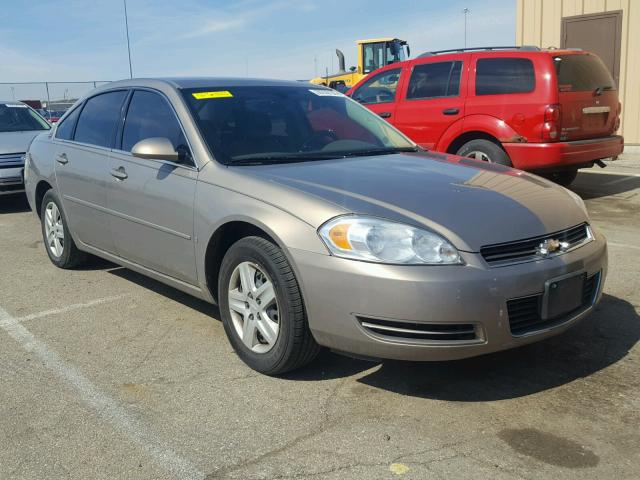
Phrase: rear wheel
(486, 151)
(262, 309)
(60, 247)
(564, 178)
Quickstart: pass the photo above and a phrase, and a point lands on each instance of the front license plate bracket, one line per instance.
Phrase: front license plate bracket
(562, 295)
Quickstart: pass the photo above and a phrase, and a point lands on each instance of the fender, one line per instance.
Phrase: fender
(487, 124)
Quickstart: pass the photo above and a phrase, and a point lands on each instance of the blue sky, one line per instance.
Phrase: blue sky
(66, 40)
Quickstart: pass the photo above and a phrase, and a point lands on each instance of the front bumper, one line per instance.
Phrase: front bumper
(11, 174)
(339, 293)
(559, 155)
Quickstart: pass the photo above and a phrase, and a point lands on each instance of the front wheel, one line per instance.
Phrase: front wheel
(60, 247)
(486, 151)
(262, 309)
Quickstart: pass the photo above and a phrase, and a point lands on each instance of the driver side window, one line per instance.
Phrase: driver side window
(380, 88)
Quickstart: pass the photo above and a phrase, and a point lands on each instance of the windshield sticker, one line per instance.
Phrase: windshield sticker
(15, 105)
(326, 93)
(206, 95)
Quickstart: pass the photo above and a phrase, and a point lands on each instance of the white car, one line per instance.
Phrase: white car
(19, 124)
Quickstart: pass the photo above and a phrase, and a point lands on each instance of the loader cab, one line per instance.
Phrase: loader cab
(376, 53)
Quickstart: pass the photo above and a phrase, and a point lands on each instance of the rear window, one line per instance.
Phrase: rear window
(99, 119)
(429, 80)
(581, 73)
(497, 76)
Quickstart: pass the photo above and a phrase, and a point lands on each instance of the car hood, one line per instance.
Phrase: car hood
(472, 203)
(16, 142)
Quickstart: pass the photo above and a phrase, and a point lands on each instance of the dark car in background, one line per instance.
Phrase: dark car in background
(19, 124)
(546, 111)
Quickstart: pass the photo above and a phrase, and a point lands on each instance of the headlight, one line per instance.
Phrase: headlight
(381, 241)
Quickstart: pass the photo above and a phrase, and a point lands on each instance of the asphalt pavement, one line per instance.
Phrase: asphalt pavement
(106, 374)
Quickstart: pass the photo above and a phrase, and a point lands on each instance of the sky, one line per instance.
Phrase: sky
(83, 40)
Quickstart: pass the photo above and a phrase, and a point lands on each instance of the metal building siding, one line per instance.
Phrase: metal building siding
(539, 22)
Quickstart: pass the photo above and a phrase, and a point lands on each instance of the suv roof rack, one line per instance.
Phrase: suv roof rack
(524, 48)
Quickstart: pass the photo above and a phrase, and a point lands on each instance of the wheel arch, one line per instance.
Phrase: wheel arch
(222, 238)
(41, 189)
(474, 127)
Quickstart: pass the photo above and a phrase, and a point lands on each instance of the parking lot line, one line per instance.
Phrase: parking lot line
(604, 172)
(104, 406)
(69, 308)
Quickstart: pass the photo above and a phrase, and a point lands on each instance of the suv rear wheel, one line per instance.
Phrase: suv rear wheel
(486, 151)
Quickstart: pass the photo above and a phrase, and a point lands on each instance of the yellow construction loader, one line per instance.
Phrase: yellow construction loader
(372, 54)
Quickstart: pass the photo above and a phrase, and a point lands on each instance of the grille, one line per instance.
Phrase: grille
(419, 331)
(524, 313)
(11, 160)
(525, 250)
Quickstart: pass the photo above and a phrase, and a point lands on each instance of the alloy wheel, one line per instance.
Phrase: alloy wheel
(54, 229)
(478, 155)
(254, 307)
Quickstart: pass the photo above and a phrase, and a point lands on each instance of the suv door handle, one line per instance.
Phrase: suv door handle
(451, 111)
(384, 114)
(62, 159)
(119, 173)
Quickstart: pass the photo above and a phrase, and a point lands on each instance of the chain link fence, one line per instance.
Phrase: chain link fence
(47, 96)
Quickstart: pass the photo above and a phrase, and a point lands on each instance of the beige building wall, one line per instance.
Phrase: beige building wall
(539, 22)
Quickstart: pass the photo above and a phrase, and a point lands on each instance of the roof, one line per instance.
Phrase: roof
(205, 82)
(381, 39)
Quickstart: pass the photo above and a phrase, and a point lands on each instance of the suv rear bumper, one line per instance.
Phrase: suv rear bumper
(558, 155)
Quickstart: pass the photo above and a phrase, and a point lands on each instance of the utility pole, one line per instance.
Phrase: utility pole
(466, 12)
(126, 25)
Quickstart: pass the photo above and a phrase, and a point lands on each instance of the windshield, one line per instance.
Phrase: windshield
(17, 117)
(270, 124)
(582, 73)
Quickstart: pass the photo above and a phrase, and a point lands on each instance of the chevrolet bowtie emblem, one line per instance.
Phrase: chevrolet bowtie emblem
(551, 245)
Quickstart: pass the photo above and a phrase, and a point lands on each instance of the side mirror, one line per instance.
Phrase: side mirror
(157, 148)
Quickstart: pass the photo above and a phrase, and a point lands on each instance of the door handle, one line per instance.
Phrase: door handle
(62, 159)
(119, 173)
(384, 114)
(451, 111)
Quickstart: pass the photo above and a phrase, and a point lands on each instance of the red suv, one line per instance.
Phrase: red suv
(547, 111)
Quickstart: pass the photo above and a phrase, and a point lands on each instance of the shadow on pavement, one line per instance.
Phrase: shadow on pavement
(15, 203)
(167, 291)
(591, 185)
(602, 339)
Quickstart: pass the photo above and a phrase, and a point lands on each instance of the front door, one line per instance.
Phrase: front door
(431, 101)
(84, 142)
(151, 201)
(378, 93)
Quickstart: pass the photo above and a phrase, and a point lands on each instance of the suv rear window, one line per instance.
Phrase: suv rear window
(497, 76)
(582, 73)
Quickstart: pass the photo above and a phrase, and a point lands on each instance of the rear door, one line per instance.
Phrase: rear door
(588, 96)
(151, 201)
(84, 141)
(431, 100)
(379, 93)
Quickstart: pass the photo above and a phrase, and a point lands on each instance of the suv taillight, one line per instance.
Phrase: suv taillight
(551, 125)
(616, 124)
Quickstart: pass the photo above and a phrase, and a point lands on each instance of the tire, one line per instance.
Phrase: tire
(485, 150)
(255, 261)
(564, 178)
(65, 253)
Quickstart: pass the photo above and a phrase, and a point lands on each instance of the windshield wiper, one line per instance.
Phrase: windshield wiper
(257, 159)
(598, 91)
(379, 151)
(280, 158)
